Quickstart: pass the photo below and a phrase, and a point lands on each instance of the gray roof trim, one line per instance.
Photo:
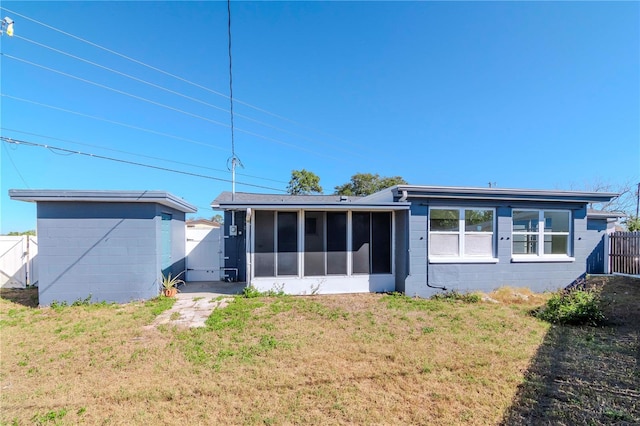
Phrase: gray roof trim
(226, 197)
(312, 206)
(599, 214)
(102, 196)
(508, 194)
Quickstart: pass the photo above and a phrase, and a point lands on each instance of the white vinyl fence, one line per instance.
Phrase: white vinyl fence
(18, 261)
(204, 254)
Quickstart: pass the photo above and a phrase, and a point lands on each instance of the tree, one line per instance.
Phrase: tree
(366, 183)
(31, 232)
(633, 223)
(626, 203)
(304, 182)
(218, 218)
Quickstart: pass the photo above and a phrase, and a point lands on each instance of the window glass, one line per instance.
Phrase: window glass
(525, 221)
(478, 220)
(556, 244)
(287, 243)
(337, 243)
(478, 245)
(442, 220)
(556, 221)
(264, 244)
(525, 244)
(444, 245)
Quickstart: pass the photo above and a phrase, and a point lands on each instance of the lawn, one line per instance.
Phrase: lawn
(348, 359)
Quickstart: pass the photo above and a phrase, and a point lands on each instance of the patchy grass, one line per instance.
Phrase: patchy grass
(348, 359)
(587, 375)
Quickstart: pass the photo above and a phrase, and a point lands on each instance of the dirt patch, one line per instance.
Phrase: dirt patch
(587, 375)
(23, 296)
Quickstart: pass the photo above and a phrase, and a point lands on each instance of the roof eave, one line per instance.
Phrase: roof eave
(47, 195)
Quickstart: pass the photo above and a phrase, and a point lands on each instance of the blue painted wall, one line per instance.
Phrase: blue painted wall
(538, 276)
(109, 251)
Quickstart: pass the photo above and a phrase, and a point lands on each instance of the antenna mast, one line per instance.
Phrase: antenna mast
(234, 160)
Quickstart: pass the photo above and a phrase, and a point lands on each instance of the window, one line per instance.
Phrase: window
(541, 232)
(371, 238)
(325, 243)
(276, 243)
(461, 233)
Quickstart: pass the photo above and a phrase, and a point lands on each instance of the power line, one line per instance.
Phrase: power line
(119, 160)
(184, 80)
(173, 92)
(16, 167)
(136, 154)
(106, 120)
(278, 141)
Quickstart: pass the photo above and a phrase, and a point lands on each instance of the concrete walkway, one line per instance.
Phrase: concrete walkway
(196, 301)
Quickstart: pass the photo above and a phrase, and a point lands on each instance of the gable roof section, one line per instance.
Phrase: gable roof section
(55, 195)
(243, 200)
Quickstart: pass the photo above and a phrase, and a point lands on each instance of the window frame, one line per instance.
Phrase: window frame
(541, 233)
(461, 233)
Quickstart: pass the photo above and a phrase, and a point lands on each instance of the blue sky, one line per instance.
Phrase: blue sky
(527, 95)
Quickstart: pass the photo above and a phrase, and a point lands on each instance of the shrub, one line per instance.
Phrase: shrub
(575, 307)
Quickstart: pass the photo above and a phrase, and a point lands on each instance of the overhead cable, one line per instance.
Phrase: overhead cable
(173, 92)
(135, 154)
(184, 80)
(119, 160)
(100, 85)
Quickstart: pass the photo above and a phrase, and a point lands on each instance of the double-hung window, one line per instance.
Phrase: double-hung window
(459, 234)
(541, 233)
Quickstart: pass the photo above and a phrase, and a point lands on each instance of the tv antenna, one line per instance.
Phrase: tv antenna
(234, 160)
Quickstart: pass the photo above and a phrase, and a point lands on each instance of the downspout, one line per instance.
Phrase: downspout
(248, 247)
(404, 197)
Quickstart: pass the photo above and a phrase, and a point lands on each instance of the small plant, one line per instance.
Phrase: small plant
(454, 295)
(250, 292)
(170, 284)
(574, 307)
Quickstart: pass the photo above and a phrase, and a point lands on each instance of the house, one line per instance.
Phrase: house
(110, 245)
(414, 239)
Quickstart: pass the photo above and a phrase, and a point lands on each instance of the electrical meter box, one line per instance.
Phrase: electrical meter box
(233, 230)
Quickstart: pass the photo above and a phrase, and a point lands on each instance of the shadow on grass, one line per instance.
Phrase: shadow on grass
(587, 375)
(23, 296)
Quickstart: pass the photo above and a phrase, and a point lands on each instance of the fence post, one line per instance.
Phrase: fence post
(607, 254)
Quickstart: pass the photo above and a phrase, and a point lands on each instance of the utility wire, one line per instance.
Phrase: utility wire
(278, 141)
(134, 154)
(173, 92)
(106, 120)
(119, 160)
(15, 167)
(184, 80)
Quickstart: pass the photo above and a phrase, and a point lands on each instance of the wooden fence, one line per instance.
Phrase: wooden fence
(624, 253)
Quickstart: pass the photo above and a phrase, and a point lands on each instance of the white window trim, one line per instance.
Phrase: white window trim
(462, 258)
(540, 256)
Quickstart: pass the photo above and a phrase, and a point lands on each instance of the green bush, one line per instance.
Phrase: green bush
(575, 307)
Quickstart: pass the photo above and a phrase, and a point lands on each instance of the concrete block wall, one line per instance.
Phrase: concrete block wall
(538, 276)
(108, 251)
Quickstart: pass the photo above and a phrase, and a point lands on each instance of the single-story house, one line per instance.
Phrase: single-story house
(414, 239)
(110, 245)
